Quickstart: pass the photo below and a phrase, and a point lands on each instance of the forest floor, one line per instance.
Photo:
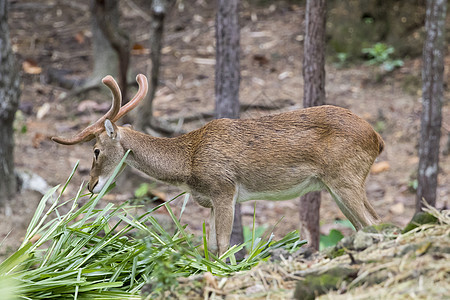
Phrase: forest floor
(371, 264)
(57, 34)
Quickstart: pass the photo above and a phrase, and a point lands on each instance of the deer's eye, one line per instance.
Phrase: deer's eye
(96, 153)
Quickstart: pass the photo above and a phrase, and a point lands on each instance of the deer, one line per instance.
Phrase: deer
(274, 157)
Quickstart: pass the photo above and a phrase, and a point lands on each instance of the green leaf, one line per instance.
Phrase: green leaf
(331, 239)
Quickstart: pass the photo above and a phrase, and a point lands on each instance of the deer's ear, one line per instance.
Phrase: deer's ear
(111, 129)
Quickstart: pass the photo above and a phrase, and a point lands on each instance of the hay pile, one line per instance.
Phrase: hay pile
(383, 264)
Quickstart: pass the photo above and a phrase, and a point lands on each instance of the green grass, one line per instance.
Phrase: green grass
(89, 252)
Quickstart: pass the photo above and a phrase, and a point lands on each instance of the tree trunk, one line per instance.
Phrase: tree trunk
(106, 15)
(227, 81)
(110, 47)
(159, 10)
(227, 60)
(9, 101)
(105, 58)
(432, 95)
(314, 94)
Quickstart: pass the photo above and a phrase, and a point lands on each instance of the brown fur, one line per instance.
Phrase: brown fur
(273, 157)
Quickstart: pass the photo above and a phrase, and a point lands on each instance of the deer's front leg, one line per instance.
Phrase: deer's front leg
(223, 214)
(212, 237)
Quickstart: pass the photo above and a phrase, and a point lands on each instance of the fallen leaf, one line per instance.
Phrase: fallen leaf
(154, 193)
(166, 50)
(30, 67)
(37, 139)
(261, 59)
(380, 167)
(138, 49)
(284, 75)
(80, 37)
(413, 160)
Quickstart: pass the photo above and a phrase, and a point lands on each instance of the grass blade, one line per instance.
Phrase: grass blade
(205, 246)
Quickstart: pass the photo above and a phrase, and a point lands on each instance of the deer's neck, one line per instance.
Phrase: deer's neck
(164, 159)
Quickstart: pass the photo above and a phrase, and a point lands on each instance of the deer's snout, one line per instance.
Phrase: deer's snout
(92, 184)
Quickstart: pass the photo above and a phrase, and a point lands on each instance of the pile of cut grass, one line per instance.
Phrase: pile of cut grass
(93, 253)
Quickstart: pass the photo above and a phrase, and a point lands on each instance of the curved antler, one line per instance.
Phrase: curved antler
(114, 113)
(141, 93)
(117, 97)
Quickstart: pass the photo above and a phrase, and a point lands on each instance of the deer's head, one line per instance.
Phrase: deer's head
(107, 150)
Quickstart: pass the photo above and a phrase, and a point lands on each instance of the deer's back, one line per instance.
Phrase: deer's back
(306, 142)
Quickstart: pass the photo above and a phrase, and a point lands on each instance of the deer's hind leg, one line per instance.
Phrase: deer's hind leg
(352, 201)
(224, 217)
(212, 236)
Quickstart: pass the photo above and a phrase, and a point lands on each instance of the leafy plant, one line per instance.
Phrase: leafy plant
(77, 254)
(89, 253)
(379, 54)
(331, 239)
(20, 124)
(345, 223)
(413, 185)
(380, 126)
(141, 191)
(257, 233)
(142, 194)
(334, 236)
(342, 59)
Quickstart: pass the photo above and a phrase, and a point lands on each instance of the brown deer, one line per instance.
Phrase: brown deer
(274, 157)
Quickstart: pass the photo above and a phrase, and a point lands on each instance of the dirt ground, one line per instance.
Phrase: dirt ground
(57, 34)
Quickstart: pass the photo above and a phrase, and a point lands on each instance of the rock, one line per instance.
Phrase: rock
(320, 283)
(397, 208)
(347, 242)
(304, 253)
(31, 181)
(363, 240)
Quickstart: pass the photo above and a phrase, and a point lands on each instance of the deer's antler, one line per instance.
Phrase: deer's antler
(114, 113)
(141, 93)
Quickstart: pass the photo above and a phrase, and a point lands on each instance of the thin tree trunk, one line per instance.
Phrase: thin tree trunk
(105, 58)
(159, 10)
(227, 60)
(106, 15)
(227, 80)
(314, 94)
(9, 101)
(110, 47)
(432, 95)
